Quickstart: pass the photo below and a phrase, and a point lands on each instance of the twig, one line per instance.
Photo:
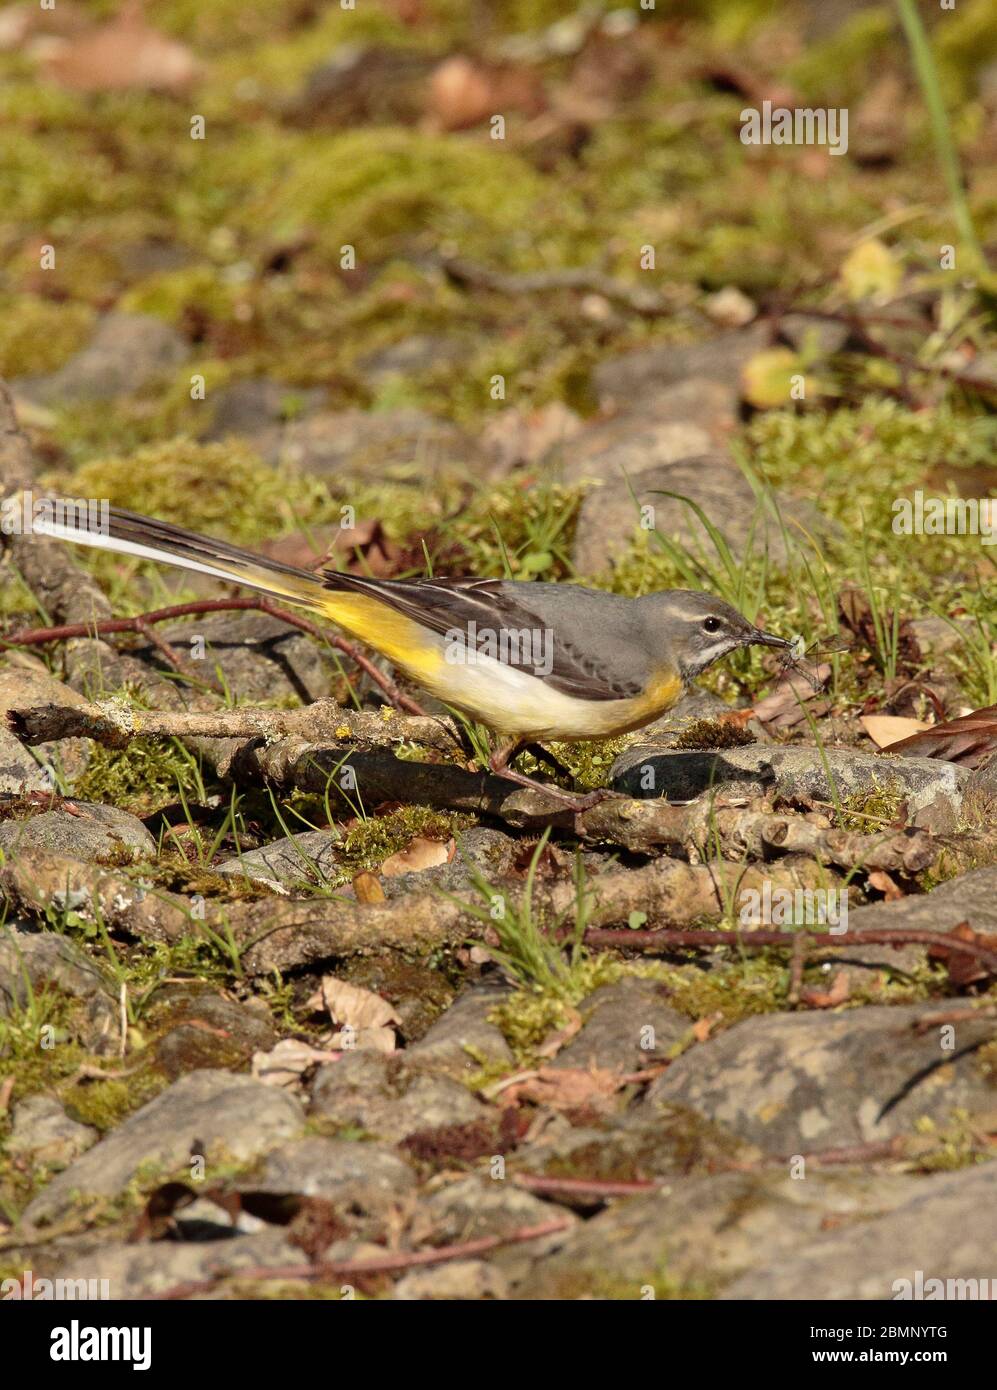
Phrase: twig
(356, 1269)
(29, 637)
(648, 303)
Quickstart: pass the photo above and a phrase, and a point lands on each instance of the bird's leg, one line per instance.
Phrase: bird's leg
(499, 764)
(544, 755)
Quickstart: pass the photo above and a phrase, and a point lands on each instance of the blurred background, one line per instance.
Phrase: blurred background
(291, 268)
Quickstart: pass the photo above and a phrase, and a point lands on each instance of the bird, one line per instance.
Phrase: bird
(532, 661)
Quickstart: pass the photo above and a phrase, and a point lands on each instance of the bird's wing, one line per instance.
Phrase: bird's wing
(482, 609)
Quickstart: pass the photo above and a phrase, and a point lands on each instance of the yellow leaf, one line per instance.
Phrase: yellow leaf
(766, 378)
(870, 272)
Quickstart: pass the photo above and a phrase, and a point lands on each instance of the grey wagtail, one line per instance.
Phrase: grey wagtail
(531, 661)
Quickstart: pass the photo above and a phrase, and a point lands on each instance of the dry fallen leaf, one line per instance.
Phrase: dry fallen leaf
(368, 888)
(886, 729)
(830, 998)
(420, 853)
(883, 883)
(351, 1005)
(284, 1064)
(460, 93)
(125, 53)
(966, 740)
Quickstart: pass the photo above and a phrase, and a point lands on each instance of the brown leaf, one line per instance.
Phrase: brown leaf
(830, 998)
(352, 1005)
(124, 54)
(368, 888)
(888, 729)
(288, 1061)
(460, 93)
(964, 969)
(966, 740)
(420, 853)
(881, 881)
(564, 1088)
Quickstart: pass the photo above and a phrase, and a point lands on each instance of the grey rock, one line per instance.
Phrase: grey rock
(421, 352)
(946, 1229)
(207, 1031)
(797, 1082)
(125, 353)
(355, 443)
(462, 1039)
(313, 857)
(697, 1233)
(363, 82)
(371, 1092)
(368, 1176)
(260, 657)
(788, 772)
(627, 445)
(50, 961)
(474, 1206)
(43, 1134)
(972, 898)
(23, 768)
(453, 1281)
(635, 377)
(150, 1267)
(245, 407)
(610, 517)
(91, 832)
(619, 1018)
(231, 1117)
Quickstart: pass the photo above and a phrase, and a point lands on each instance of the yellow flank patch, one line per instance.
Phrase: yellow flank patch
(398, 638)
(663, 691)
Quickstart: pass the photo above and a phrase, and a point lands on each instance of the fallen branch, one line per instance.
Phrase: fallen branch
(115, 725)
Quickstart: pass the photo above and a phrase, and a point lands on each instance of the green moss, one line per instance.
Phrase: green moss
(371, 841)
(38, 335)
(219, 488)
(144, 775)
(869, 810)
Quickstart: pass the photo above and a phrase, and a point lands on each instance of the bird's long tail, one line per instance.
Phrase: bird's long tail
(349, 601)
(128, 533)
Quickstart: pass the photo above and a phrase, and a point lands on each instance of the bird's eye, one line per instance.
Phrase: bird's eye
(711, 624)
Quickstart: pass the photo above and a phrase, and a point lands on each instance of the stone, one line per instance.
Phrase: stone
(313, 857)
(621, 1019)
(611, 517)
(455, 1280)
(635, 377)
(358, 443)
(126, 352)
(351, 1172)
(971, 897)
(260, 657)
(945, 1230)
(146, 1268)
(90, 832)
(797, 1082)
(790, 772)
(246, 407)
(43, 1135)
(23, 768)
(628, 444)
(228, 1117)
(462, 1040)
(696, 1234)
(374, 1093)
(51, 961)
(208, 1031)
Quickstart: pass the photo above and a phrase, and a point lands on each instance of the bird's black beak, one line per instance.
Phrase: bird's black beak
(757, 638)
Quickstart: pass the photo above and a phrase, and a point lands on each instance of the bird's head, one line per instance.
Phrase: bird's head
(692, 630)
